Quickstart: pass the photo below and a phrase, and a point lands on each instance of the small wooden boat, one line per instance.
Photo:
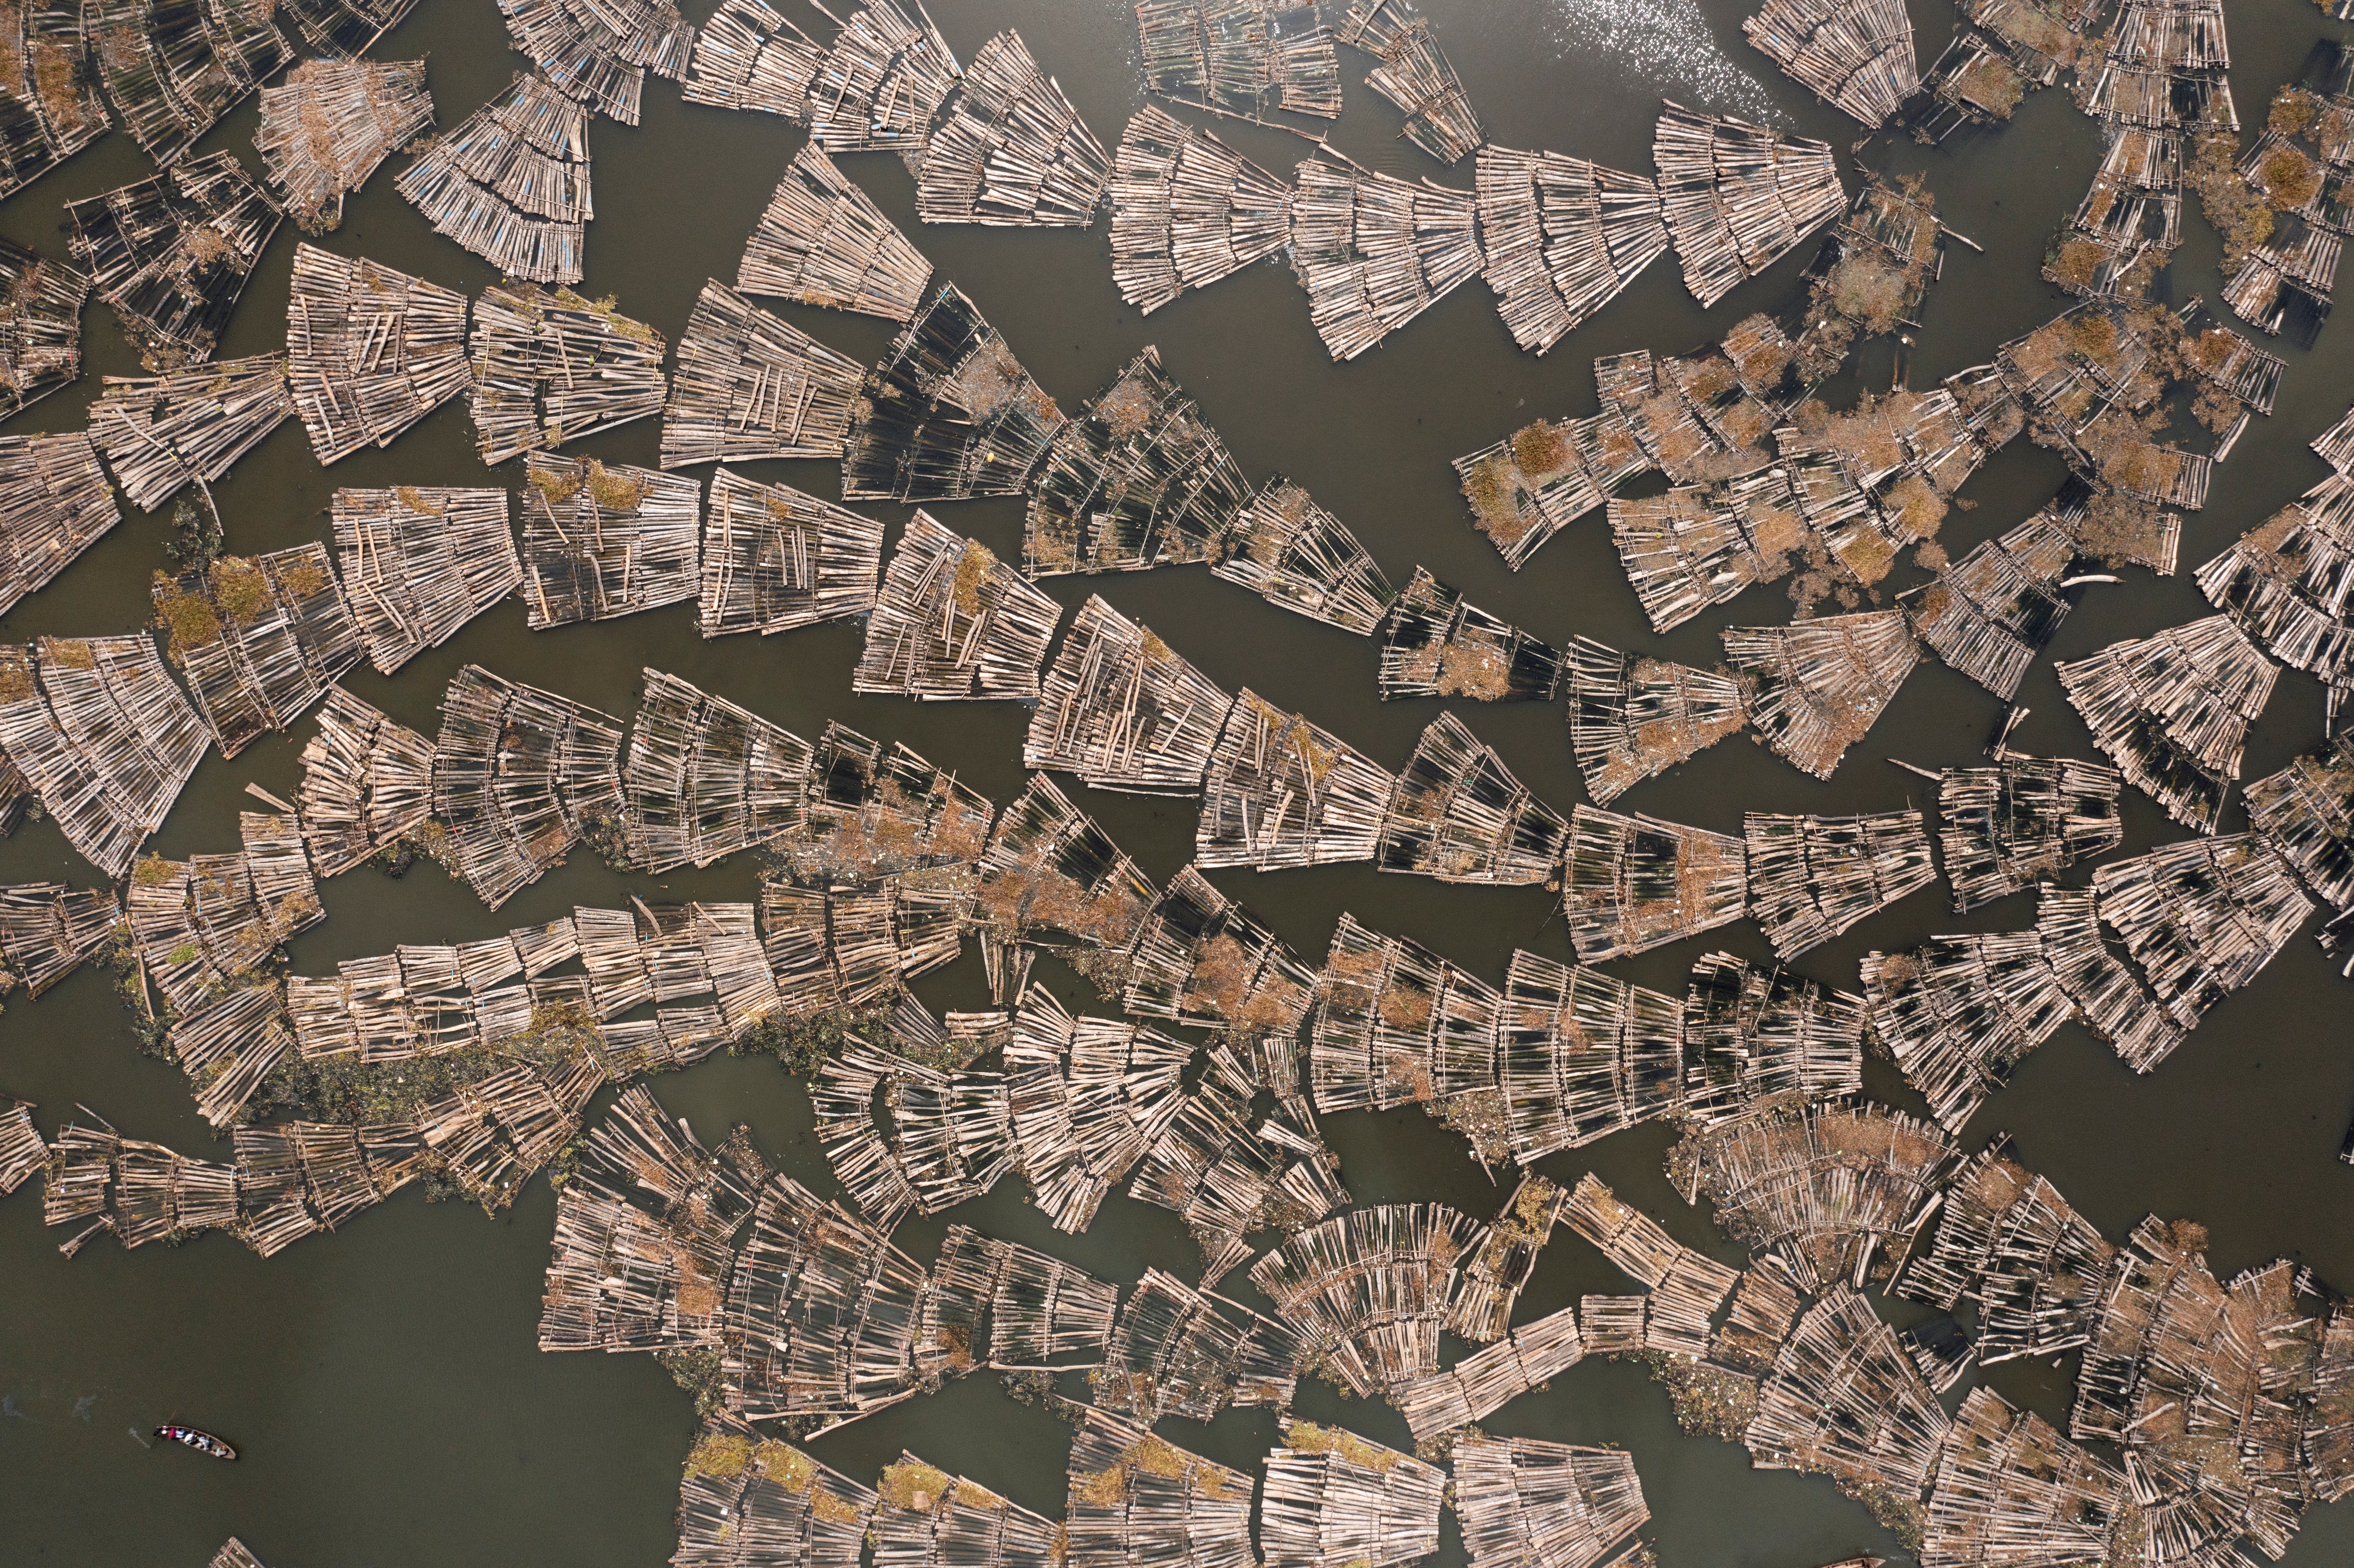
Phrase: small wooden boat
(204, 1443)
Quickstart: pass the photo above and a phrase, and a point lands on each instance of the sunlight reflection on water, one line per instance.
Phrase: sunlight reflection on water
(1666, 44)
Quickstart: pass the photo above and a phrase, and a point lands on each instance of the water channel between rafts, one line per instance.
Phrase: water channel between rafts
(384, 1382)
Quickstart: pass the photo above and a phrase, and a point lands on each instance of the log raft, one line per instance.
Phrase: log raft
(1124, 712)
(1958, 1013)
(1370, 1290)
(170, 254)
(1813, 689)
(1638, 882)
(751, 385)
(2021, 821)
(260, 638)
(600, 542)
(2283, 583)
(822, 241)
(1755, 1038)
(954, 622)
(1331, 1498)
(1415, 74)
(172, 72)
(47, 113)
(551, 367)
(160, 432)
(367, 783)
(1548, 1505)
(1583, 1054)
(518, 775)
(1299, 557)
(1187, 209)
(2171, 711)
(420, 563)
(47, 929)
(55, 502)
(1007, 148)
(1458, 814)
(705, 778)
(1052, 877)
(1089, 1095)
(876, 86)
(1240, 58)
(1855, 55)
(1737, 197)
(2008, 1243)
(511, 183)
(947, 414)
(1374, 251)
(1811, 878)
(1632, 719)
(742, 1495)
(1282, 791)
(1434, 645)
(103, 737)
(1562, 237)
(775, 558)
(330, 125)
(599, 54)
(40, 323)
(370, 351)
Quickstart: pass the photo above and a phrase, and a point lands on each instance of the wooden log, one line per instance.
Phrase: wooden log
(1550, 1505)
(1187, 209)
(1458, 814)
(1958, 1013)
(876, 86)
(953, 622)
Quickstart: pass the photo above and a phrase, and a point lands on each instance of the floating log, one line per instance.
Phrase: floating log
(420, 563)
(2110, 1000)
(1538, 481)
(1752, 1038)
(932, 1519)
(47, 929)
(1562, 237)
(106, 739)
(1483, 1382)
(370, 351)
(55, 504)
(1297, 556)
(744, 1500)
(1052, 876)
(600, 53)
(204, 924)
(599, 543)
(1176, 1350)
(511, 183)
(326, 130)
(1492, 1281)
(1007, 149)
(705, 778)
(2171, 711)
(49, 106)
(951, 1134)
(297, 1179)
(1855, 55)
(1959, 1012)
(40, 318)
(1284, 792)
(260, 638)
(2285, 289)
(1991, 612)
(23, 1155)
(1415, 74)
(1458, 814)
(1136, 1498)
(954, 622)
(1332, 1499)
(140, 1191)
(518, 774)
(1638, 882)
(2020, 822)
(367, 783)
(775, 558)
(172, 71)
(2012, 1246)
(1738, 197)
(1843, 1400)
(2201, 918)
(1630, 719)
(552, 367)
(170, 254)
(874, 86)
(1374, 251)
(1548, 1505)
(822, 241)
(750, 386)
(1436, 645)
(1187, 209)
(2285, 583)
(1811, 878)
(159, 432)
(1089, 1096)
(1686, 1286)
(2335, 445)
(1686, 552)
(875, 813)
(1123, 711)
(1369, 1289)
(1764, 1306)
(1203, 959)
(1813, 689)
(1585, 1054)
(1397, 1024)
(2130, 221)
(947, 414)
(1240, 58)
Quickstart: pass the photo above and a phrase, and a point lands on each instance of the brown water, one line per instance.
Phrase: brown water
(383, 1383)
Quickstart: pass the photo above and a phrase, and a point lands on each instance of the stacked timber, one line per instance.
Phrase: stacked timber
(171, 253)
(1458, 814)
(751, 385)
(1562, 237)
(599, 543)
(1814, 688)
(1007, 149)
(159, 432)
(1295, 555)
(2007, 1484)
(370, 351)
(1686, 1286)
(47, 929)
(2109, 998)
(328, 127)
(1187, 209)
(2022, 820)
(511, 183)
(1089, 1096)
(874, 812)
(518, 775)
(1687, 551)
(1855, 55)
(420, 563)
(1334, 1499)
(22, 1153)
(1052, 877)
(1548, 1505)
(49, 106)
(260, 638)
(822, 241)
(2172, 711)
(1136, 1498)
(933, 1519)
(1958, 1013)
(1240, 58)
(1415, 74)
(1497, 1273)
(206, 923)
(954, 622)
(1374, 251)
(1139, 479)
(367, 783)
(2008, 1243)
(55, 504)
(2285, 583)
(1369, 1291)
(1638, 882)
(40, 324)
(1397, 1024)
(1283, 792)
(1754, 1038)
(105, 739)
(1544, 476)
(875, 86)
(1200, 958)
(1811, 878)
(551, 367)
(1122, 711)
(704, 778)
(1632, 718)
(1434, 645)
(2203, 917)
(1176, 1350)
(1583, 1054)
(173, 70)
(1737, 197)
(600, 53)
(1991, 612)
(949, 414)
(1000, 1304)
(341, 30)
(1483, 1382)
(775, 558)
(746, 1499)
(2305, 813)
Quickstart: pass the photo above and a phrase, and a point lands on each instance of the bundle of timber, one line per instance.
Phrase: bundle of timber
(420, 563)
(2109, 998)
(370, 351)
(1374, 251)
(1200, 958)
(1089, 1095)
(1686, 1286)
(1240, 58)
(1415, 74)
(1823, 1189)
(1478, 1385)
(2285, 583)
(1755, 1039)
(1332, 1499)
(751, 385)
(296, 1179)
(1052, 877)
(954, 622)
(1007, 149)
(1434, 645)
(1187, 209)
(105, 739)
(47, 929)
(599, 543)
(2021, 821)
(1456, 813)
(519, 774)
(1136, 1498)
(40, 323)
(873, 87)
(1176, 1350)
(1370, 1290)
(947, 414)
(1562, 237)
(932, 1519)
(171, 253)
(173, 70)
(2130, 221)
(849, 950)
(1124, 712)
(874, 813)
(1632, 718)
(1737, 197)
(1583, 1054)
(1000, 1304)
(775, 558)
(367, 783)
(1397, 1024)
(325, 130)
(1991, 612)
(1543, 477)
(706, 778)
(1139, 479)
(1687, 550)
(1843, 1400)
(1814, 688)
(260, 638)
(1958, 1013)
(55, 504)
(2203, 917)
(1548, 1505)
(822, 241)
(49, 107)
(341, 30)
(23, 1155)
(2305, 813)
(2172, 711)
(600, 53)
(552, 367)
(1297, 556)
(200, 926)
(1638, 882)
(140, 1191)
(2008, 1243)
(1811, 878)
(1283, 792)
(2007, 1484)
(511, 183)
(1855, 55)
(746, 1501)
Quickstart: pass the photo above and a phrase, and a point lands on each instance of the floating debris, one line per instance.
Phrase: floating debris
(106, 740)
(2012, 1246)
(551, 367)
(159, 432)
(874, 813)
(370, 351)
(260, 638)
(2110, 1000)
(1543, 477)
(2203, 917)
(1176, 1350)
(367, 783)
(954, 622)
(875, 87)
(1240, 58)
(949, 414)
(1415, 74)
(600, 53)
(40, 321)
(751, 385)
(170, 254)
(1007, 149)
(1991, 612)
(1483, 1382)
(1186, 210)
(1089, 1095)
(1547, 1505)
(1397, 1024)
(329, 127)
(1369, 1291)
(420, 563)
(822, 241)
(1297, 556)
(1855, 55)
(2284, 582)
(1374, 251)
(47, 929)
(2171, 711)
(1136, 1498)
(511, 184)
(518, 775)
(1585, 1054)
(1458, 814)
(1562, 237)
(1632, 718)
(1053, 876)
(1737, 197)
(743, 1500)
(49, 107)
(1123, 711)
(1813, 689)
(1958, 1013)
(1332, 1499)
(599, 543)
(1436, 645)
(1638, 882)
(172, 72)
(1284, 792)
(1810, 878)
(775, 558)
(705, 778)
(55, 504)
(1753, 1038)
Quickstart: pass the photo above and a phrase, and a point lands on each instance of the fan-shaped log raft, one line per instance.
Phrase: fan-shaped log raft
(49, 106)
(1991, 612)
(950, 413)
(2201, 918)
(1176, 1350)
(1810, 878)
(105, 739)
(370, 351)
(1203, 959)
(1639, 883)
(1585, 1054)
(1374, 251)
(2286, 582)
(1135, 1499)
(742, 1494)
(1282, 791)
(751, 385)
(55, 504)
(1330, 1498)
(511, 183)
(260, 638)
(1813, 689)
(329, 127)
(876, 86)
(551, 367)
(367, 783)
(1415, 74)
(706, 778)
(952, 622)
(1122, 711)
(1548, 1505)
(775, 558)
(518, 774)
(1007, 149)
(1738, 197)
(599, 543)
(1434, 645)
(1397, 1024)
(2004, 827)
(159, 432)
(171, 253)
(1562, 237)
(1959, 1012)
(1294, 554)
(1458, 814)
(1187, 209)
(1855, 55)
(40, 325)
(2171, 711)
(1240, 58)
(47, 929)
(822, 241)
(420, 563)
(599, 51)
(173, 70)
(1632, 718)
(1369, 1289)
